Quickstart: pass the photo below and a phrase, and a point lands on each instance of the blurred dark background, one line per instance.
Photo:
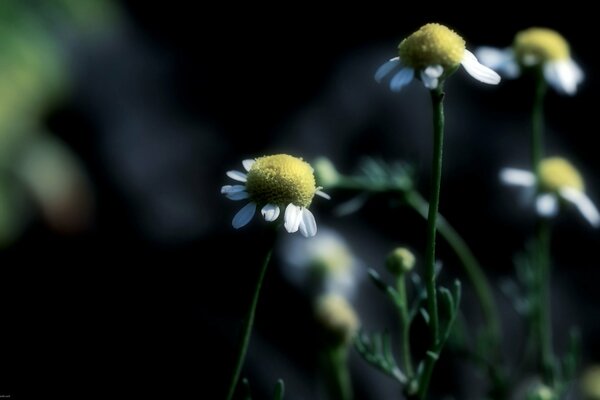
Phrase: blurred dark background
(144, 293)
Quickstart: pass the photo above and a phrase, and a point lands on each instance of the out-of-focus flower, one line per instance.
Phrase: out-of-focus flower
(337, 317)
(274, 183)
(433, 53)
(590, 383)
(541, 392)
(536, 48)
(559, 180)
(324, 264)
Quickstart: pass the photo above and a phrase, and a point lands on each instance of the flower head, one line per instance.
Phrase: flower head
(400, 261)
(274, 183)
(590, 383)
(337, 317)
(558, 180)
(324, 264)
(433, 52)
(537, 48)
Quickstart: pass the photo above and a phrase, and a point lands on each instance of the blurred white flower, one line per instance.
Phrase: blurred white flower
(559, 180)
(324, 264)
(536, 47)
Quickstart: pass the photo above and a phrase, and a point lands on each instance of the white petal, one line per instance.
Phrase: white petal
(430, 75)
(237, 195)
(546, 205)
(517, 177)
(500, 60)
(583, 204)
(244, 215)
(563, 75)
(479, 71)
(232, 189)
(270, 212)
(237, 176)
(386, 68)
(401, 79)
(308, 225)
(323, 194)
(292, 218)
(248, 164)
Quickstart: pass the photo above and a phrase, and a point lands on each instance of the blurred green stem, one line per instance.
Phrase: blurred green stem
(247, 328)
(405, 325)
(338, 377)
(541, 324)
(472, 268)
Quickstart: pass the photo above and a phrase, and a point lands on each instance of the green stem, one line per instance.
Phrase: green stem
(247, 329)
(541, 321)
(437, 99)
(338, 376)
(537, 122)
(405, 328)
(472, 268)
(544, 325)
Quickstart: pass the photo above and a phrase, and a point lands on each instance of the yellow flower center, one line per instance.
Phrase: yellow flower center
(336, 260)
(432, 44)
(337, 317)
(537, 45)
(557, 173)
(281, 179)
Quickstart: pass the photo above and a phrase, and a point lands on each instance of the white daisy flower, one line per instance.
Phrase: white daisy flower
(431, 54)
(536, 48)
(323, 264)
(337, 317)
(559, 180)
(276, 183)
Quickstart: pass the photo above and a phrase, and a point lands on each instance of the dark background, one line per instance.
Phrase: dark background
(148, 300)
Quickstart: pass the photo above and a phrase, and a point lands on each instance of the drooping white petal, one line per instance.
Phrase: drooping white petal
(401, 79)
(386, 68)
(583, 204)
(244, 215)
(323, 194)
(237, 195)
(248, 164)
(563, 75)
(232, 189)
(478, 70)
(430, 75)
(292, 218)
(546, 205)
(308, 225)
(270, 212)
(517, 177)
(237, 176)
(502, 61)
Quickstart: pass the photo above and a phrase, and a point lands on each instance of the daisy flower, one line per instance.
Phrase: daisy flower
(275, 183)
(433, 53)
(559, 180)
(337, 317)
(537, 48)
(323, 264)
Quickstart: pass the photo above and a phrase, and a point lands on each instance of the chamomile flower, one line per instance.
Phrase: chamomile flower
(559, 180)
(324, 264)
(276, 183)
(537, 48)
(431, 54)
(337, 317)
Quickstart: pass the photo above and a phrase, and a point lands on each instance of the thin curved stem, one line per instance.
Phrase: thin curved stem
(340, 384)
(405, 325)
(471, 265)
(247, 329)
